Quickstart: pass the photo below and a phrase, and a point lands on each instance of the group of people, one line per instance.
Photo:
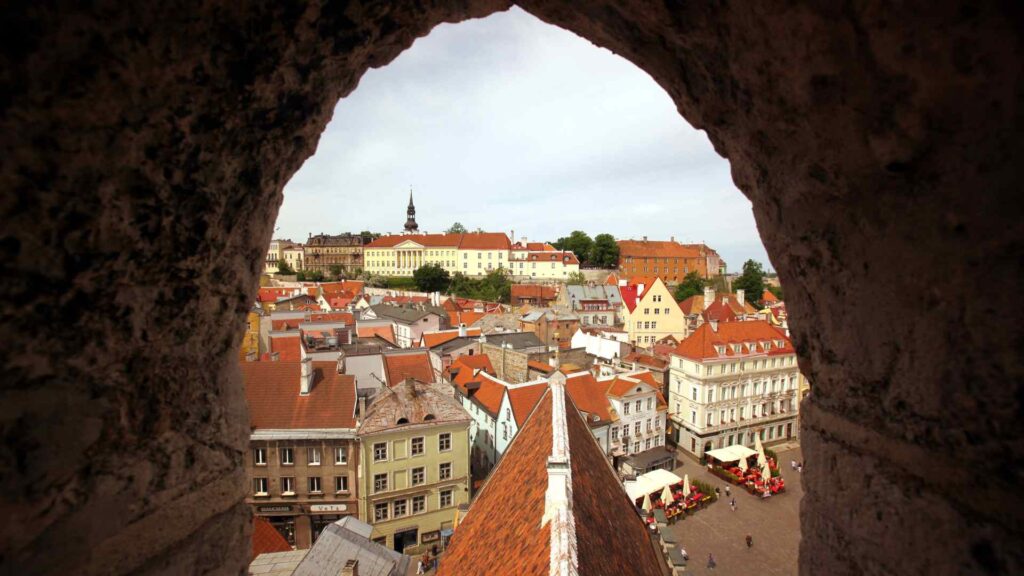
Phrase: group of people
(428, 561)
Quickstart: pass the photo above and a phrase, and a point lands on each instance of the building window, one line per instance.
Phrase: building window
(380, 451)
(648, 424)
(694, 393)
(693, 416)
(380, 482)
(341, 455)
(419, 504)
(636, 428)
(380, 511)
(259, 486)
(341, 483)
(259, 456)
(636, 446)
(313, 456)
(638, 406)
(444, 441)
(647, 444)
(444, 471)
(625, 408)
(314, 484)
(287, 457)
(419, 476)
(445, 498)
(649, 401)
(615, 433)
(398, 507)
(417, 446)
(287, 486)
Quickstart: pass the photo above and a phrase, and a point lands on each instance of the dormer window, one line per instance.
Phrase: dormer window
(402, 421)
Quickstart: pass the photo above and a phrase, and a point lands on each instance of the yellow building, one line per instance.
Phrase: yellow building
(473, 254)
(414, 469)
(649, 311)
(541, 261)
(251, 339)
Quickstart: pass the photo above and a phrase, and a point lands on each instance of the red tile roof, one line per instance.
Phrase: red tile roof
(701, 344)
(719, 311)
(470, 241)
(384, 332)
(272, 392)
(523, 399)
(656, 249)
(266, 539)
(287, 348)
(590, 396)
(540, 366)
(606, 523)
(398, 367)
(275, 294)
(467, 367)
(539, 291)
(431, 339)
(345, 317)
(489, 395)
(612, 279)
(692, 305)
(646, 360)
(467, 317)
(767, 297)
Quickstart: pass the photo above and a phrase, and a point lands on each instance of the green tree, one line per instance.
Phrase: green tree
(284, 268)
(494, 287)
(579, 243)
(604, 252)
(576, 278)
(336, 271)
(456, 228)
(691, 285)
(751, 281)
(431, 278)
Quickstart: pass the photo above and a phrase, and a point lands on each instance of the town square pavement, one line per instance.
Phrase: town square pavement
(774, 525)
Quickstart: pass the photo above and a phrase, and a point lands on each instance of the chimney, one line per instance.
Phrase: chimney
(645, 238)
(351, 568)
(306, 376)
(462, 330)
(672, 238)
(341, 363)
(740, 296)
(362, 406)
(709, 296)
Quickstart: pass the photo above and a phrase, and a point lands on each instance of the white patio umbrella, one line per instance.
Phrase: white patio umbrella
(761, 460)
(743, 464)
(666, 496)
(686, 485)
(766, 472)
(647, 503)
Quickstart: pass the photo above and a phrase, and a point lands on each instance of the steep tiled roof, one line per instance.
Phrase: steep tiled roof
(540, 366)
(404, 365)
(275, 294)
(656, 249)
(767, 297)
(489, 395)
(646, 360)
(345, 317)
(287, 347)
(416, 404)
(467, 317)
(272, 391)
(467, 367)
(589, 395)
(266, 538)
(720, 311)
(523, 399)
(692, 305)
(510, 526)
(701, 344)
(385, 332)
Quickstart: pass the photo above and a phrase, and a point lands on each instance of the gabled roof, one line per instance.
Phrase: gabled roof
(383, 332)
(692, 305)
(402, 365)
(275, 294)
(348, 539)
(405, 315)
(767, 297)
(583, 292)
(287, 347)
(590, 396)
(646, 360)
(581, 522)
(656, 249)
(523, 399)
(412, 403)
(466, 368)
(720, 311)
(272, 392)
(700, 345)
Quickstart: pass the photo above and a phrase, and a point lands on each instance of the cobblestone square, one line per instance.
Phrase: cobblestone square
(774, 525)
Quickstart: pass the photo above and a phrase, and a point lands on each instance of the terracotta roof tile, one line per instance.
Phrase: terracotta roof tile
(656, 249)
(589, 395)
(287, 347)
(701, 344)
(523, 399)
(385, 332)
(767, 297)
(470, 241)
(432, 339)
(412, 403)
(646, 360)
(272, 392)
(540, 291)
(404, 365)
(266, 539)
(466, 368)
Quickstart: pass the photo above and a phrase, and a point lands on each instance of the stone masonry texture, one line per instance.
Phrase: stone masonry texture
(144, 148)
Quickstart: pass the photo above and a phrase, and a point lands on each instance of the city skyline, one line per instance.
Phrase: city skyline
(509, 124)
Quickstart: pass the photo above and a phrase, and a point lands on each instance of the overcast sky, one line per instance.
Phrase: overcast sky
(507, 123)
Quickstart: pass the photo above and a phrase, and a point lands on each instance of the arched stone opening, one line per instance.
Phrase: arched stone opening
(144, 152)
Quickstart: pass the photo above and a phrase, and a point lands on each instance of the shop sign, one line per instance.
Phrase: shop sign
(328, 507)
(275, 508)
(428, 537)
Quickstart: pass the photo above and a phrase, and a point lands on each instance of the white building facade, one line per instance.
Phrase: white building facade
(730, 381)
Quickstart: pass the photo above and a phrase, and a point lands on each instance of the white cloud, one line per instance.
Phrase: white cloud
(509, 123)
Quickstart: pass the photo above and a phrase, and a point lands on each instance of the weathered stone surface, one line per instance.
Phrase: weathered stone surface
(144, 148)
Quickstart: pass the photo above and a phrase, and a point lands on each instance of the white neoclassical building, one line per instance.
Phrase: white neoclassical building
(729, 381)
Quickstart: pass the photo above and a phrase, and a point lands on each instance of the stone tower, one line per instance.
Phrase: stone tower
(410, 220)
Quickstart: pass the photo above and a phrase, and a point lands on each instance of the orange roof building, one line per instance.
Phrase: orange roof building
(400, 365)
(561, 506)
(736, 380)
(669, 260)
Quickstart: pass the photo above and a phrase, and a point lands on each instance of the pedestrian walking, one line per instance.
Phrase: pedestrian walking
(419, 567)
(733, 504)
(711, 562)
(718, 492)
(750, 541)
(425, 562)
(792, 464)
(728, 492)
(800, 467)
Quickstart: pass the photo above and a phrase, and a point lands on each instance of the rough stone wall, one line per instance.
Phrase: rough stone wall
(144, 148)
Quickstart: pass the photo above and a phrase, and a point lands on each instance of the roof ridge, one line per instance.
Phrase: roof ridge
(558, 499)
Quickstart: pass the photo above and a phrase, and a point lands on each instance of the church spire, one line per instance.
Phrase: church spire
(410, 213)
